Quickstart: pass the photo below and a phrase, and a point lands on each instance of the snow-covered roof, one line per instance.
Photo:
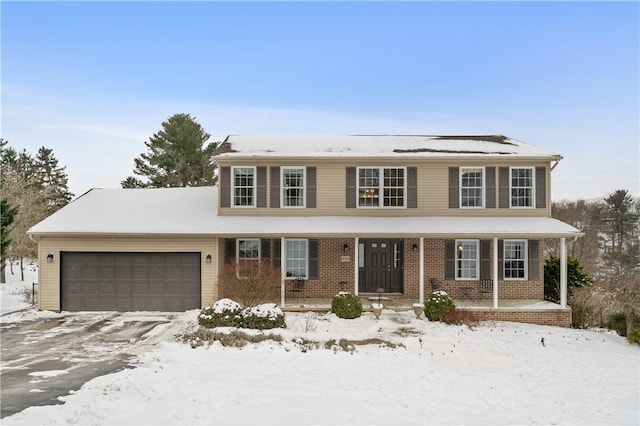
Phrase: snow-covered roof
(193, 211)
(377, 146)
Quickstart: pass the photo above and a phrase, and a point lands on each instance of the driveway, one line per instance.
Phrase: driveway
(46, 358)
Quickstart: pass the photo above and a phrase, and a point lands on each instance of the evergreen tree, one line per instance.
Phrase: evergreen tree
(576, 277)
(178, 155)
(622, 224)
(7, 216)
(52, 180)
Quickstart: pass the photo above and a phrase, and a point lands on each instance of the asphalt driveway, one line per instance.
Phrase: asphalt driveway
(46, 358)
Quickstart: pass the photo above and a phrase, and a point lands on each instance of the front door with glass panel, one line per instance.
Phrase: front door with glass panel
(380, 266)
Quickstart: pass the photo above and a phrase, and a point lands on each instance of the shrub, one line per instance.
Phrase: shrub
(223, 313)
(251, 283)
(346, 305)
(634, 337)
(437, 305)
(617, 322)
(262, 317)
(460, 317)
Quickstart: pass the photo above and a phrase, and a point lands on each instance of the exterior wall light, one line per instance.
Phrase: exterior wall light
(414, 248)
(345, 248)
(208, 258)
(460, 247)
(50, 258)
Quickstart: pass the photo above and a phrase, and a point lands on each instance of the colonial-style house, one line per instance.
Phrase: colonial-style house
(396, 215)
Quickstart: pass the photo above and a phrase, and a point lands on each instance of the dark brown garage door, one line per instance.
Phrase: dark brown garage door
(129, 281)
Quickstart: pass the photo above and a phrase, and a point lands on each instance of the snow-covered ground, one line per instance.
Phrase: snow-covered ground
(493, 373)
(12, 293)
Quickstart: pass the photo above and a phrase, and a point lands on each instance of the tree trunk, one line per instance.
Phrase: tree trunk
(21, 269)
(3, 273)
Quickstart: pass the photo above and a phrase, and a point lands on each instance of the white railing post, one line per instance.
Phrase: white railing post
(422, 270)
(283, 268)
(495, 272)
(563, 272)
(356, 257)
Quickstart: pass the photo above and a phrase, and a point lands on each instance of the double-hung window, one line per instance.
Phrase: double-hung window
(243, 186)
(515, 259)
(247, 256)
(467, 259)
(293, 185)
(382, 186)
(472, 187)
(297, 264)
(522, 186)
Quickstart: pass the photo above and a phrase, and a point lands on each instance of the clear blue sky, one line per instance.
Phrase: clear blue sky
(94, 80)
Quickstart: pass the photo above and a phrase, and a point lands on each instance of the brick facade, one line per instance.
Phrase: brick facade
(554, 317)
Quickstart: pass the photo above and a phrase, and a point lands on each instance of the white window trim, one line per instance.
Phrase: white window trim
(381, 188)
(233, 187)
(526, 259)
(306, 264)
(466, 240)
(484, 187)
(533, 187)
(304, 187)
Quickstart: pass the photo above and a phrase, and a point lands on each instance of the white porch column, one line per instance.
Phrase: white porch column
(283, 268)
(563, 272)
(495, 272)
(356, 257)
(422, 270)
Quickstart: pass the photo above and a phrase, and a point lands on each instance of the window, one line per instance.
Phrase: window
(515, 259)
(467, 259)
(247, 256)
(522, 187)
(471, 186)
(293, 184)
(297, 264)
(381, 186)
(243, 188)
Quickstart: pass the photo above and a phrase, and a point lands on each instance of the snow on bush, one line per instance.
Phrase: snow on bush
(437, 305)
(228, 313)
(262, 317)
(346, 305)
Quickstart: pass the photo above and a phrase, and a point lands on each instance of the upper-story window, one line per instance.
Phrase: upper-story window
(515, 259)
(243, 186)
(522, 186)
(293, 186)
(467, 259)
(381, 186)
(472, 187)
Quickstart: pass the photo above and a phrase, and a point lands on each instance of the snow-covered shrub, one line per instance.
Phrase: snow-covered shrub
(437, 305)
(262, 317)
(346, 305)
(223, 313)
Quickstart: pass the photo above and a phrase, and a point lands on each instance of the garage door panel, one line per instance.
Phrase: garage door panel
(130, 281)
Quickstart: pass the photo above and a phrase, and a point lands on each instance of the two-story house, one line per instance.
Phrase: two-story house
(402, 215)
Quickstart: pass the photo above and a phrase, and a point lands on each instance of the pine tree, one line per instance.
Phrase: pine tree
(622, 224)
(52, 181)
(178, 156)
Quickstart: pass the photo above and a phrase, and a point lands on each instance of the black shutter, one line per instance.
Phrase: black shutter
(265, 249)
(534, 260)
(351, 188)
(229, 250)
(490, 180)
(261, 200)
(225, 187)
(450, 260)
(311, 188)
(541, 187)
(505, 199)
(501, 259)
(412, 187)
(485, 259)
(277, 251)
(313, 259)
(275, 187)
(454, 187)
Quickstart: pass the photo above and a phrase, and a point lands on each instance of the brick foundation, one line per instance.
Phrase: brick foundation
(554, 317)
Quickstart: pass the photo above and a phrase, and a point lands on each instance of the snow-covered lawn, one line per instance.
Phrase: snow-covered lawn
(493, 373)
(12, 293)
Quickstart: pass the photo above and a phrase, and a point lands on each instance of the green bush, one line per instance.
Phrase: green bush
(634, 337)
(346, 305)
(437, 305)
(223, 313)
(618, 323)
(262, 317)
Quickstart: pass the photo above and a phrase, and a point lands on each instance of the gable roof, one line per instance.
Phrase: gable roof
(377, 146)
(193, 211)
